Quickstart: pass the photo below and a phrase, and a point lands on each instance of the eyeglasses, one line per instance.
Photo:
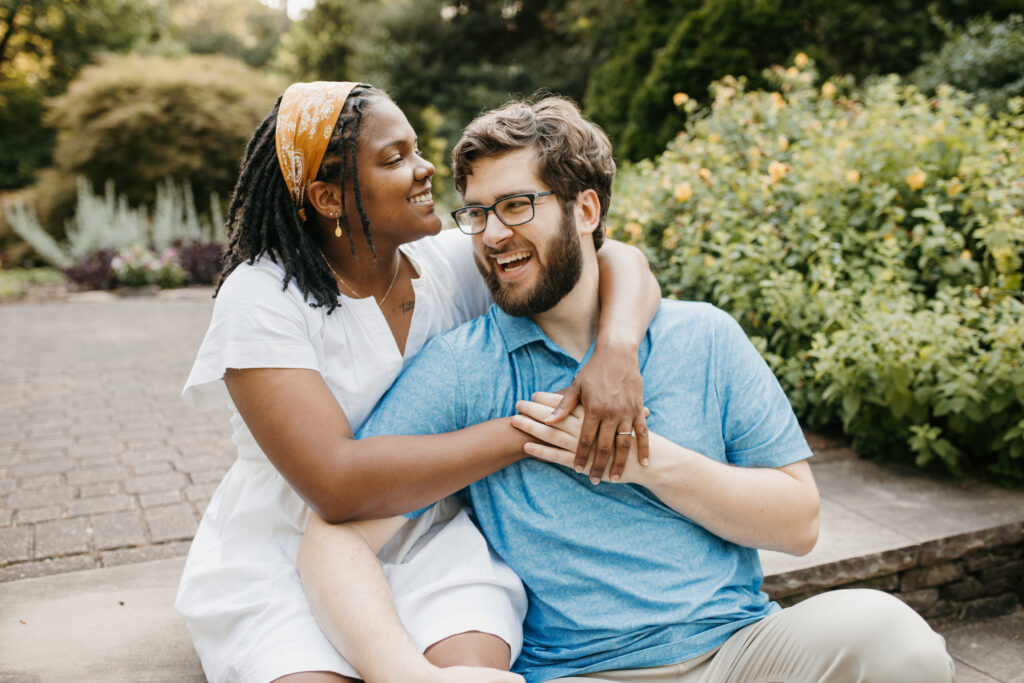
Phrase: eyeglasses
(512, 211)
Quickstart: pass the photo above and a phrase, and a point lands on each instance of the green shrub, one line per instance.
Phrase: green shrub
(986, 59)
(136, 120)
(105, 224)
(870, 242)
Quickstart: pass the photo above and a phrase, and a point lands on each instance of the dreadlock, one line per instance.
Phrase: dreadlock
(263, 220)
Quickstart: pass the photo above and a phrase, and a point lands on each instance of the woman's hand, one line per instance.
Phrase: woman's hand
(560, 440)
(612, 393)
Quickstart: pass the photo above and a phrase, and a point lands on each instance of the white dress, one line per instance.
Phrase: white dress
(240, 593)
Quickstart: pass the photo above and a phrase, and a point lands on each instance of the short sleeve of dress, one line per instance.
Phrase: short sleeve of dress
(255, 324)
(451, 254)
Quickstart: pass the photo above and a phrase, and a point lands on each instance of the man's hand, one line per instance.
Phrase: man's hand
(559, 441)
(611, 391)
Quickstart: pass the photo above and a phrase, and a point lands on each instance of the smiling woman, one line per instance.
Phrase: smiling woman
(328, 289)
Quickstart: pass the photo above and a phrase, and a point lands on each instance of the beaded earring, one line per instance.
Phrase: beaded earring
(337, 227)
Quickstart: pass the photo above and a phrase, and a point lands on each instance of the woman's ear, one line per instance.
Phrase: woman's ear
(588, 211)
(325, 198)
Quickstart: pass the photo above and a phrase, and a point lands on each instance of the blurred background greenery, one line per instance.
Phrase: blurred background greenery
(843, 176)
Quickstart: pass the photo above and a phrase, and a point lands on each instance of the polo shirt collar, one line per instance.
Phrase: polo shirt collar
(516, 331)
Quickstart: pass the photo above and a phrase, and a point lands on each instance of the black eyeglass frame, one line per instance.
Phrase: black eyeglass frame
(532, 196)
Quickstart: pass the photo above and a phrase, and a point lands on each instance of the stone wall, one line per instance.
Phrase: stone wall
(965, 577)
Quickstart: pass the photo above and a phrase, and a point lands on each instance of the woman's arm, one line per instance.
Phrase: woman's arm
(609, 387)
(298, 423)
(757, 507)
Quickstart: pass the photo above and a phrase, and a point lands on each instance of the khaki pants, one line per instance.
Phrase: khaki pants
(845, 636)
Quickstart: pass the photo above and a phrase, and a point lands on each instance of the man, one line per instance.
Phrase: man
(653, 577)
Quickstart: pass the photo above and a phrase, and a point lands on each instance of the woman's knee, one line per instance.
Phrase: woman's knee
(473, 648)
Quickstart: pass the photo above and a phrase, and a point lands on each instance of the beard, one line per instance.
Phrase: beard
(561, 270)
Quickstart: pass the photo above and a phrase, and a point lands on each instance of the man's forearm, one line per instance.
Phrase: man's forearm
(774, 509)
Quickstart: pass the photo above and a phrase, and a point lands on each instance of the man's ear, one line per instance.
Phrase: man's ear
(588, 211)
(325, 198)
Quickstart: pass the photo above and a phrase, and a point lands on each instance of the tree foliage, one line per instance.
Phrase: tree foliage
(43, 43)
(684, 47)
(986, 59)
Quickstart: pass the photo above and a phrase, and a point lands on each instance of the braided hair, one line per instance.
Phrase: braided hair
(263, 219)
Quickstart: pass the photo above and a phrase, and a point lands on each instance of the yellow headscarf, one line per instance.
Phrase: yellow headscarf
(305, 121)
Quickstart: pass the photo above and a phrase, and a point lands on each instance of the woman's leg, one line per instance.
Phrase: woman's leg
(315, 677)
(470, 649)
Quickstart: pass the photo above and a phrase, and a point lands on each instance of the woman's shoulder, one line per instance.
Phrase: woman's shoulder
(262, 281)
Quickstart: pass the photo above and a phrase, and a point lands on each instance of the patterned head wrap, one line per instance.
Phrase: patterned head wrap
(305, 121)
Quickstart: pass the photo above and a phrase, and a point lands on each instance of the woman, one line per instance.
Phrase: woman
(325, 294)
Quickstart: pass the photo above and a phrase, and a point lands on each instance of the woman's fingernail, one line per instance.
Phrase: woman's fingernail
(644, 461)
(616, 477)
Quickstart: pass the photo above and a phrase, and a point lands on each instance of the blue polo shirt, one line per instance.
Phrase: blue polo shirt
(615, 579)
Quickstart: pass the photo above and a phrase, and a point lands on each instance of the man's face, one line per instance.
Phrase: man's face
(529, 268)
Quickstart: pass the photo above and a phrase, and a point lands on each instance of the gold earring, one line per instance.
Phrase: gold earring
(337, 227)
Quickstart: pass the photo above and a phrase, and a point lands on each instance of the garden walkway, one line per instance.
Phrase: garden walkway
(104, 473)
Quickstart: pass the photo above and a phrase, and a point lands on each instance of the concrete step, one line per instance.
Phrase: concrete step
(953, 551)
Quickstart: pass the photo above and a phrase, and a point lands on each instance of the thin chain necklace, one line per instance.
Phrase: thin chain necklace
(353, 289)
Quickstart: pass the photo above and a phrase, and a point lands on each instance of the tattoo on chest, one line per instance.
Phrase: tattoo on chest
(407, 306)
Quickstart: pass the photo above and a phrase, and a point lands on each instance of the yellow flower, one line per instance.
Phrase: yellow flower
(680, 98)
(955, 188)
(916, 179)
(801, 60)
(828, 90)
(783, 143)
(683, 192)
(791, 72)
(634, 230)
(939, 126)
(708, 261)
(777, 170)
(965, 255)
(777, 100)
(705, 175)
(714, 137)
(853, 176)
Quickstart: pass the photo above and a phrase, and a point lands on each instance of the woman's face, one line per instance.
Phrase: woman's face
(394, 180)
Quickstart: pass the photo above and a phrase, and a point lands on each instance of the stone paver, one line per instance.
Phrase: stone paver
(100, 460)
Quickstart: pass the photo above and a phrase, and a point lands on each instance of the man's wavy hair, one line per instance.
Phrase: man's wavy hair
(573, 154)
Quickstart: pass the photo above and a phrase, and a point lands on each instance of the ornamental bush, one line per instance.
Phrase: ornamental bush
(137, 120)
(870, 242)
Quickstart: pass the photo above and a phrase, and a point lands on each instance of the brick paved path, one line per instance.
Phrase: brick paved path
(101, 462)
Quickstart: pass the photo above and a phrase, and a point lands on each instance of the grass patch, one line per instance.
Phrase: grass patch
(14, 282)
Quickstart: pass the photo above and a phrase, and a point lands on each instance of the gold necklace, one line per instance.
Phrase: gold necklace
(353, 289)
